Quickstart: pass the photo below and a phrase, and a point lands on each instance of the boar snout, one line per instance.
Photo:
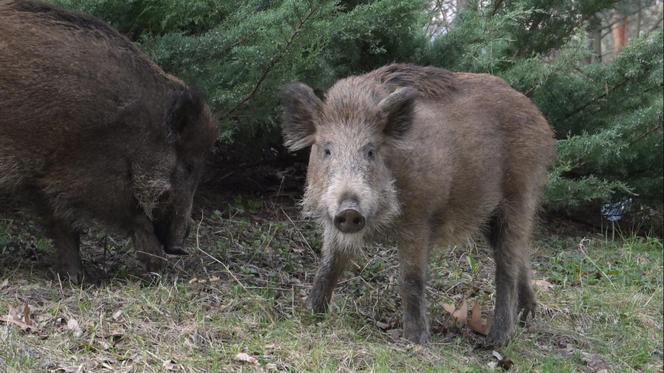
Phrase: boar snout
(349, 219)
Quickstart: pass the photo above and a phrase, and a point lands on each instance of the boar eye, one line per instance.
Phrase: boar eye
(327, 152)
(371, 154)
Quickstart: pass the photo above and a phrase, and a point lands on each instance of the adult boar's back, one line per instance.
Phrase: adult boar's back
(92, 130)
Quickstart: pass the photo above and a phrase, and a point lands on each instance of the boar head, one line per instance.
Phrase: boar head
(350, 188)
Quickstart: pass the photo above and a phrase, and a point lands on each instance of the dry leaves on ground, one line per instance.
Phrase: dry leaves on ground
(460, 316)
(21, 317)
(169, 365)
(542, 284)
(245, 358)
(72, 326)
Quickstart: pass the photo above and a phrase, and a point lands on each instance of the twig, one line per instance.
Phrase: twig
(273, 61)
(644, 134)
(594, 100)
(228, 270)
(299, 232)
(198, 247)
(581, 248)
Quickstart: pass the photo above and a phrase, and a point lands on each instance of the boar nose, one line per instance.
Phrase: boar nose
(349, 221)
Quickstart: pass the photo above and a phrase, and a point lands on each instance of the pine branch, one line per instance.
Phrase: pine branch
(594, 100)
(275, 59)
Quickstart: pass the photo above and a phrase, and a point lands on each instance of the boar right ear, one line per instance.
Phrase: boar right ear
(183, 114)
(301, 109)
(398, 111)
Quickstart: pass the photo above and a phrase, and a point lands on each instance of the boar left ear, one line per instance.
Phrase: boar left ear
(398, 111)
(301, 109)
(184, 113)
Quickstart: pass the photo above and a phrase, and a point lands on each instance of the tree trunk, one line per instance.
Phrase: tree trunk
(595, 39)
(618, 31)
(638, 21)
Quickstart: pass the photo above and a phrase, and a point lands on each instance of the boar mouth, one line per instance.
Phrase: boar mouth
(161, 230)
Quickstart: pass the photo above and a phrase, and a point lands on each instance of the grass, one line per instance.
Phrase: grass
(244, 286)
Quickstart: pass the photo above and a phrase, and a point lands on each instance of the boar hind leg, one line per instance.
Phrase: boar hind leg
(68, 257)
(509, 236)
(333, 263)
(147, 246)
(413, 260)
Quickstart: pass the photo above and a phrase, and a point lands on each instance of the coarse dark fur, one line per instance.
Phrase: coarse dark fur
(433, 155)
(92, 130)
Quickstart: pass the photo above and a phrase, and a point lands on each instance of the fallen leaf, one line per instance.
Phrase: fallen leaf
(21, 319)
(72, 325)
(542, 284)
(116, 315)
(245, 358)
(449, 308)
(77, 369)
(594, 362)
(395, 334)
(26, 314)
(383, 326)
(169, 365)
(503, 362)
(476, 323)
(461, 315)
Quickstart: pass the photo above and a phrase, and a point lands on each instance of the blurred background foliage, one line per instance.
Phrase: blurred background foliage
(594, 67)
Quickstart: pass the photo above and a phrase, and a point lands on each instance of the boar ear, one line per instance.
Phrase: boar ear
(398, 111)
(184, 113)
(301, 109)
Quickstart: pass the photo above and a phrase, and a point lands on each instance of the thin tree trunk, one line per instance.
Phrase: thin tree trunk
(618, 31)
(638, 20)
(595, 39)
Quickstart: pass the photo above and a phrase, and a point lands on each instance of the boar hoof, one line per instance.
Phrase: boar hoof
(175, 251)
(527, 312)
(152, 263)
(497, 338)
(527, 305)
(318, 306)
(416, 335)
(71, 272)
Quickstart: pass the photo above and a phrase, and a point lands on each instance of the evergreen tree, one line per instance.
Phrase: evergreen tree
(607, 115)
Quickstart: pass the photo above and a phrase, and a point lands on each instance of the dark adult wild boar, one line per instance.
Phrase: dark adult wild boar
(432, 155)
(90, 129)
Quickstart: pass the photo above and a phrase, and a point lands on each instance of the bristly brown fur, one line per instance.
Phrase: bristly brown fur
(470, 153)
(430, 82)
(91, 129)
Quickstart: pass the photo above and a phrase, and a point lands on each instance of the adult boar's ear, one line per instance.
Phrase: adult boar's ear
(398, 111)
(301, 109)
(184, 114)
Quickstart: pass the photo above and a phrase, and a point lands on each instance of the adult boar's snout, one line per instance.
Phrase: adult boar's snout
(349, 220)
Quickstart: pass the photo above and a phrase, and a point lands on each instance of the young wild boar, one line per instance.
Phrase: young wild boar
(90, 129)
(432, 155)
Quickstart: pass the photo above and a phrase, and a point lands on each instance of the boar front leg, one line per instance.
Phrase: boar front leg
(148, 247)
(67, 244)
(414, 258)
(333, 264)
